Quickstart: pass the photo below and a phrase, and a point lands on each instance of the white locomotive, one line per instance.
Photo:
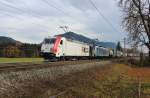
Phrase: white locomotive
(61, 48)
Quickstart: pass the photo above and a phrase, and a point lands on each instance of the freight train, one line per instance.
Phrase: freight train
(61, 48)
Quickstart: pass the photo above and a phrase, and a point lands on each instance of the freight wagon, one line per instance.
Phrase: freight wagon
(102, 52)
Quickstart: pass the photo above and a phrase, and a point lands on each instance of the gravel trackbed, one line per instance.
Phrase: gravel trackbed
(22, 84)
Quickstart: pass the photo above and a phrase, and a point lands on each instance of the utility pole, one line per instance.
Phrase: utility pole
(124, 52)
(141, 53)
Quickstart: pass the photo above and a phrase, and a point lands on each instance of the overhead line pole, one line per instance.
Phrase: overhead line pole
(124, 47)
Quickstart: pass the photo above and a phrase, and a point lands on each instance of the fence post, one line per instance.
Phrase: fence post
(139, 88)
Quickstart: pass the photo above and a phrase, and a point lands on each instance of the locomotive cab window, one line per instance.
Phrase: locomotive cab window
(52, 41)
(49, 41)
(46, 41)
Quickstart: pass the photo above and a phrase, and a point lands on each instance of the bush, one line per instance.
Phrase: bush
(143, 62)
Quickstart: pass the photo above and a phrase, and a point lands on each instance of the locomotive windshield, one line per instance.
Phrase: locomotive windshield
(49, 41)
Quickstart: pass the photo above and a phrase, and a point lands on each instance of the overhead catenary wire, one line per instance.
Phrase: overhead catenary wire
(10, 6)
(20, 11)
(60, 10)
(63, 12)
(27, 12)
(51, 5)
(17, 9)
(93, 4)
(101, 14)
(6, 13)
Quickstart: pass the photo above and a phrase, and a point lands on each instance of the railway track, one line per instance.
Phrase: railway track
(37, 65)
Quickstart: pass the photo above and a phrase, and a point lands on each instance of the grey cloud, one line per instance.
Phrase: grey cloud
(35, 18)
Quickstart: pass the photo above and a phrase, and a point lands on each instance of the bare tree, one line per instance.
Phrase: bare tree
(136, 20)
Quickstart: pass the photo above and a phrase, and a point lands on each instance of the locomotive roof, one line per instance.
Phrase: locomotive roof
(89, 41)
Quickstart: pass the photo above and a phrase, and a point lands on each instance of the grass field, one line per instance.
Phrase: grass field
(15, 60)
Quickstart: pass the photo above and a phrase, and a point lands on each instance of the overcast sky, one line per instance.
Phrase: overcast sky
(33, 20)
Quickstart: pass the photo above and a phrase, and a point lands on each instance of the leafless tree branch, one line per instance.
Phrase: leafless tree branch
(136, 20)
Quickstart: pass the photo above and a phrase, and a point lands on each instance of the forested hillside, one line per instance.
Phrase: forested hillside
(12, 48)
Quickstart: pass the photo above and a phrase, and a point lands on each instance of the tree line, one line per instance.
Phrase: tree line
(20, 50)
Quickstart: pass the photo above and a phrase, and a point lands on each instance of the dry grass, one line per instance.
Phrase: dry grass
(70, 81)
(33, 83)
(113, 81)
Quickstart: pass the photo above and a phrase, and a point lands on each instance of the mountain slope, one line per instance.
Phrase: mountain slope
(7, 40)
